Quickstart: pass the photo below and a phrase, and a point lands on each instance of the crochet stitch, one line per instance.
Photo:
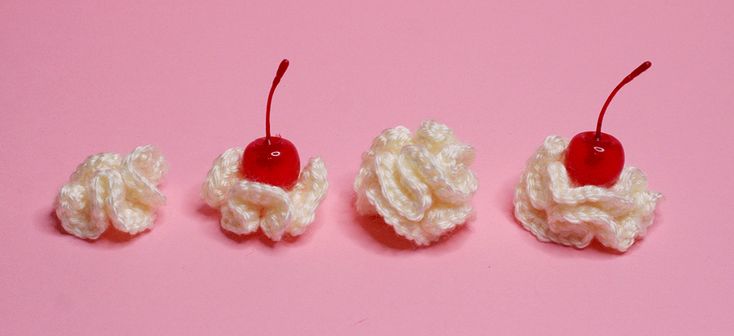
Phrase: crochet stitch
(246, 206)
(421, 185)
(551, 208)
(107, 188)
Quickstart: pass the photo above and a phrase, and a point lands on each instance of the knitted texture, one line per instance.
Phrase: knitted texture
(107, 188)
(420, 184)
(246, 205)
(550, 207)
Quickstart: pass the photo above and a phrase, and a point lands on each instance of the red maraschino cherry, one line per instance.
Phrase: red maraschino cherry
(594, 157)
(272, 159)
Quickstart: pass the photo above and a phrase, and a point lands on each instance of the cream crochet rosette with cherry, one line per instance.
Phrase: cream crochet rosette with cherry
(420, 184)
(246, 205)
(550, 207)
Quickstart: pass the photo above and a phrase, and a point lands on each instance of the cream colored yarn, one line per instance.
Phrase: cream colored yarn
(107, 188)
(421, 185)
(553, 210)
(246, 205)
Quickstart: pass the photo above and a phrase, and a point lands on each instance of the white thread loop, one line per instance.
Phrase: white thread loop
(550, 207)
(421, 185)
(246, 205)
(106, 189)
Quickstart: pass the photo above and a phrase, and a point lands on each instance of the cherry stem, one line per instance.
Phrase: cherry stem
(640, 69)
(278, 75)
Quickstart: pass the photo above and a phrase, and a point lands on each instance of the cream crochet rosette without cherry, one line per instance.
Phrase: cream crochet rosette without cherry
(107, 188)
(420, 184)
(246, 206)
(549, 206)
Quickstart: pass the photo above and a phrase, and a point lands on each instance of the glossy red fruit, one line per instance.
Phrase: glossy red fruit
(273, 162)
(592, 161)
(272, 159)
(594, 157)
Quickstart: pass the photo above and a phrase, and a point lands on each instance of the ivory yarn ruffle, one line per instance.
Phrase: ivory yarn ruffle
(420, 184)
(109, 189)
(551, 208)
(246, 206)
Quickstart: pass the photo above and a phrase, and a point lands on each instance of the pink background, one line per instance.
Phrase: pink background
(79, 77)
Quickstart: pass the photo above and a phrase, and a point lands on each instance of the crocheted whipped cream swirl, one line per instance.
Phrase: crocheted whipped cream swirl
(109, 189)
(246, 205)
(553, 209)
(420, 184)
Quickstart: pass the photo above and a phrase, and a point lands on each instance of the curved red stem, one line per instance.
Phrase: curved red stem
(278, 75)
(640, 69)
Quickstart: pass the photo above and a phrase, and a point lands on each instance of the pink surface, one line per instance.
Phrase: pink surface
(78, 77)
